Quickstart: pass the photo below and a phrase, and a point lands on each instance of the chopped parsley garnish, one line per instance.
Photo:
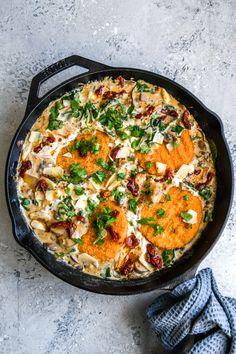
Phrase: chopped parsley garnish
(175, 144)
(136, 131)
(90, 208)
(109, 166)
(186, 216)
(142, 87)
(133, 173)
(89, 111)
(130, 109)
(75, 107)
(145, 149)
(59, 254)
(161, 213)
(99, 177)
(106, 273)
(168, 197)
(77, 173)
(132, 204)
(178, 129)
(118, 195)
(102, 221)
(135, 143)
(148, 164)
(168, 257)
(65, 209)
(162, 126)
(79, 241)
(186, 197)
(112, 119)
(213, 149)
(206, 193)
(53, 122)
(25, 203)
(208, 216)
(85, 146)
(158, 229)
(79, 190)
(120, 176)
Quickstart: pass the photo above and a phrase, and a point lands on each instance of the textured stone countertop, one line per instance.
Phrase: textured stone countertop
(190, 41)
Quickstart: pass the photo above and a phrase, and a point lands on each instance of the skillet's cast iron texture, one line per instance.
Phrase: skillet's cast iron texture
(208, 121)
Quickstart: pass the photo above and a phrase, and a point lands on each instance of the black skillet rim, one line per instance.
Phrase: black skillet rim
(64, 272)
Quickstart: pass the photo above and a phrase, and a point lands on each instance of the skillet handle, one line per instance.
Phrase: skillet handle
(54, 69)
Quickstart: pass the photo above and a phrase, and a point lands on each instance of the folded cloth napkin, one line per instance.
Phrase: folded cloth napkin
(197, 308)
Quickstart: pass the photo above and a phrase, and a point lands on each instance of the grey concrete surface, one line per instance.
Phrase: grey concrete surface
(190, 41)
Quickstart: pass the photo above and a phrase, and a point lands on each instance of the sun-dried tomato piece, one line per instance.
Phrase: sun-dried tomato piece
(147, 112)
(132, 241)
(41, 184)
(114, 153)
(115, 213)
(169, 174)
(133, 186)
(100, 90)
(106, 193)
(138, 116)
(114, 235)
(185, 120)
(121, 81)
(210, 175)
(25, 165)
(80, 218)
(152, 256)
(111, 94)
(169, 112)
(49, 140)
(67, 225)
(128, 267)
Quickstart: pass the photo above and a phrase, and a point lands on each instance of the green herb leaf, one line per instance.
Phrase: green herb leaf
(132, 204)
(25, 203)
(79, 241)
(118, 195)
(102, 221)
(77, 173)
(178, 129)
(161, 213)
(65, 209)
(148, 164)
(146, 221)
(85, 146)
(142, 87)
(186, 197)
(168, 257)
(120, 176)
(136, 131)
(206, 193)
(145, 149)
(186, 216)
(79, 190)
(90, 208)
(99, 177)
(168, 197)
(213, 149)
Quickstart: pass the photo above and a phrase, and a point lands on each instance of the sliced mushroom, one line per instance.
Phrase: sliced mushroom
(85, 260)
(38, 225)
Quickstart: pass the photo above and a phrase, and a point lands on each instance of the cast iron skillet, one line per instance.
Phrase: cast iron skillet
(209, 122)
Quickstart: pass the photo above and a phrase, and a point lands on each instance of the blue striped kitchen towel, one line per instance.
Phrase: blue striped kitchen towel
(196, 307)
